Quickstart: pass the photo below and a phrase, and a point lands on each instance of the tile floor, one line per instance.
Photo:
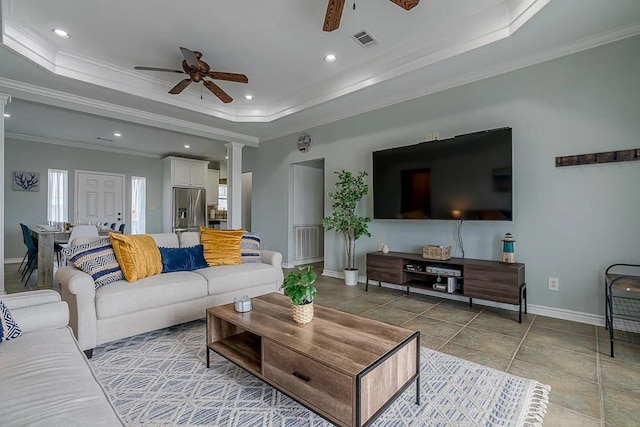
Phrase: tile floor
(588, 388)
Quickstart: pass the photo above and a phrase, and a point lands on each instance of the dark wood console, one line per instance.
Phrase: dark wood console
(487, 280)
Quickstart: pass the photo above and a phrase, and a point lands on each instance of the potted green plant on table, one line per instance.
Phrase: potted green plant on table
(350, 189)
(298, 286)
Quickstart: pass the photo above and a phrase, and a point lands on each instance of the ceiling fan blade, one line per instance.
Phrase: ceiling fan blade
(333, 15)
(159, 69)
(231, 77)
(406, 4)
(189, 57)
(217, 91)
(180, 86)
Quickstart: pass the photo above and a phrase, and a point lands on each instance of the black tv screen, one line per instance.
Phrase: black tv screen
(463, 178)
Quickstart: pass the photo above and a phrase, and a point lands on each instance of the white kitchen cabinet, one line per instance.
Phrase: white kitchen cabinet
(213, 178)
(185, 172)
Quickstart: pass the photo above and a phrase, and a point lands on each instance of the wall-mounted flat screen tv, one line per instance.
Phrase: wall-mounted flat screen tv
(468, 177)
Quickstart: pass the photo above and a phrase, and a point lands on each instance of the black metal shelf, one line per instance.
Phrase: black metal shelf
(622, 303)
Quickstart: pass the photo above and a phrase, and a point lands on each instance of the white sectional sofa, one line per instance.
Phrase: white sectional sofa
(45, 380)
(122, 309)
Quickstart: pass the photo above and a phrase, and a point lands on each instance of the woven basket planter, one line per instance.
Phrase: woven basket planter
(441, 253)
(302, 313)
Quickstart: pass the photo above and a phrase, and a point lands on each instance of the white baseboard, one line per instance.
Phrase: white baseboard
(12, 260)
(561, 313)
(302, 262)
(557, 313)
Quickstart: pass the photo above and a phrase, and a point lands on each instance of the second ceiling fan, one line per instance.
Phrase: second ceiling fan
(334, 12)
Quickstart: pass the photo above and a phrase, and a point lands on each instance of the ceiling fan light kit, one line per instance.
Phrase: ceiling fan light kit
(197, 70)
(334, 12)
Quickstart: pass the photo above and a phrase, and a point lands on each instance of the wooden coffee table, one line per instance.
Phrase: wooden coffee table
(344, 367)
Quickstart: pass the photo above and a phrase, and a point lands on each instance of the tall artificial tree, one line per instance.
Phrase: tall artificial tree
(350, 189)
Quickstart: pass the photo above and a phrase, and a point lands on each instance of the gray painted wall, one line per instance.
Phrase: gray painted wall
(569, 222)
(31, 208)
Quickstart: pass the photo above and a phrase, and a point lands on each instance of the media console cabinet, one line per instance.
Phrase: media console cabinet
(487, 280)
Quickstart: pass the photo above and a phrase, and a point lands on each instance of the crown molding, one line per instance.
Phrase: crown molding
(5, 99)
(87, 105)
(498, 22)
(523, 11)
(477, 75)
(86, 146)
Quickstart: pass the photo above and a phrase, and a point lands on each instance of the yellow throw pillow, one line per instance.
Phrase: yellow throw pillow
(138, 255)
(221, 247)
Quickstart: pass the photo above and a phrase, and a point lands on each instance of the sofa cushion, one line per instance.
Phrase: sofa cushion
(120, 298)
(138, 255)
(250, 248)
(9, 329)
(182, 259)
(48, 382)
(189, 238)
(168, 240)
(229, 278)
(221, 247)
(97, 259)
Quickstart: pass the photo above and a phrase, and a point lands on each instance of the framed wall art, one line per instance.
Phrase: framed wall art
(26, 181)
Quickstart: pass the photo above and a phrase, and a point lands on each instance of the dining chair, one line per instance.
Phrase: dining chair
(121, 228)
(26, 255)
(32, 253)
(81, 231)
(113, 226)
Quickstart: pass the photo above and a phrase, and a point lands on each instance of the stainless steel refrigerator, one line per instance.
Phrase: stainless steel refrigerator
(189, 209)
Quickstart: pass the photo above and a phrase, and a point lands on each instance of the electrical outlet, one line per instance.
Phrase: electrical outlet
(554, 284)
(433, 136)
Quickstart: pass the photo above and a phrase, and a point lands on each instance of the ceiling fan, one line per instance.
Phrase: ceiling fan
(334, 11)
(197, 71)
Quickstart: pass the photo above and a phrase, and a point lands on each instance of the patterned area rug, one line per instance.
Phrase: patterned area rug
(160, 379)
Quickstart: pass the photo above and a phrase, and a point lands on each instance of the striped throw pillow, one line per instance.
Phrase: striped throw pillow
(9, 329)
(97, 259)
(250, 248)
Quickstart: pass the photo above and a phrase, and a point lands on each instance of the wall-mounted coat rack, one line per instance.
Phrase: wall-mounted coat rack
(594, 158)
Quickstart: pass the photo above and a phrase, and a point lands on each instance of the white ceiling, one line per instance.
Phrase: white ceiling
(279, 45)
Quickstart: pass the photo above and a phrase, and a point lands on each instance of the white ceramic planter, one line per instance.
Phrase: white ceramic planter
(351, 277)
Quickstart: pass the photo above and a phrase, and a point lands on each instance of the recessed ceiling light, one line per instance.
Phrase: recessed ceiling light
(117, 134)
(330, 58)
(248, 97)
(7, 115)
(60, 33)
(226, 157)
(187, 146)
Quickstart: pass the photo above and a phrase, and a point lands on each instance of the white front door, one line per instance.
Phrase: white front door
(99, 198)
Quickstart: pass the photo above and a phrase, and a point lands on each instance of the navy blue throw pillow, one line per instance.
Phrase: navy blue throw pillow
(182, 259)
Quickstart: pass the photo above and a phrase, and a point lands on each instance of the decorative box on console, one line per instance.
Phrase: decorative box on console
(441, 253)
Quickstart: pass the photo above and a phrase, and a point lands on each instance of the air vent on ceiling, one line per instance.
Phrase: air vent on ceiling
(104, 139)
(365, 39)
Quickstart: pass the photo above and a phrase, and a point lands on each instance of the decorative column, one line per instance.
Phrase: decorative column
(234, 185)
(4, 99)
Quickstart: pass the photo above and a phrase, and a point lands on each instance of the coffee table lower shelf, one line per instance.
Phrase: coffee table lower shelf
(334, 394)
